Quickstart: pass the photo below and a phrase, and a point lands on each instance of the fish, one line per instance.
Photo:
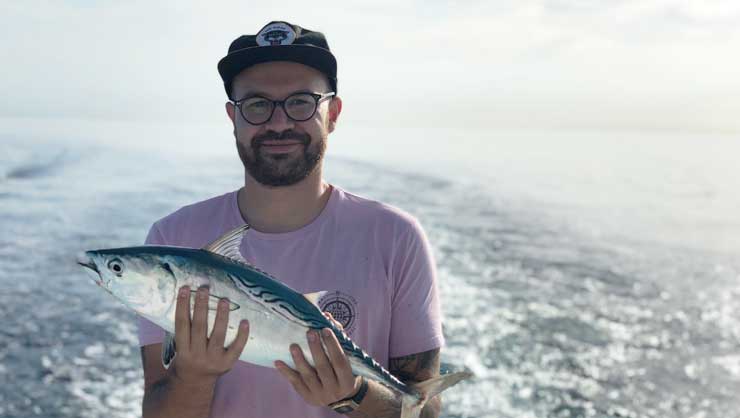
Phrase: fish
(146, 279)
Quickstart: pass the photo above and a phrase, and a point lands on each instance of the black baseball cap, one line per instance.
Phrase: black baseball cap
(278, 41)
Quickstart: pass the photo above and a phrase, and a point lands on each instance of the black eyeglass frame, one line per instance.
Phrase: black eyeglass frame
(318, 98)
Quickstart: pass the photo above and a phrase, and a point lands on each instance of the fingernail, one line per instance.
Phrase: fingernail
(244, 325)
(327, 332)
(311, 336)
(184, 291)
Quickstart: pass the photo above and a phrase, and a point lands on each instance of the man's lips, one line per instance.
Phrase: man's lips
(280, 147)
(279, 143)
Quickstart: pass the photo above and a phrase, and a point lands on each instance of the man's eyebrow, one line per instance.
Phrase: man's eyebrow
(254, 93)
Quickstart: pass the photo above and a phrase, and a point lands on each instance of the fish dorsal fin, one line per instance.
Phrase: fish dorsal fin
(315, 296)
(228, 244)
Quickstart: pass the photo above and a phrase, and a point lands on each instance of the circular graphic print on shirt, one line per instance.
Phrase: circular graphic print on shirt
(342, 307)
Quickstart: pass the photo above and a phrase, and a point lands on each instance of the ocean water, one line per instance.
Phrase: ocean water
(582, 275)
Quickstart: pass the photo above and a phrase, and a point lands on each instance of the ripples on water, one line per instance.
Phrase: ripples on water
(554, 323)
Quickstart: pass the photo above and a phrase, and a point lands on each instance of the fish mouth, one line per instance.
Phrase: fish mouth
(90, 265)
(85, 261)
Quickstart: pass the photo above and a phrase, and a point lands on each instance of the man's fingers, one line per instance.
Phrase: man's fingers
(236, 347)
(336, 323)
(294, 378)
(182, 319)
(308, 374)
(199, 331)
(321, 362)
(218, 335)
(338, 359)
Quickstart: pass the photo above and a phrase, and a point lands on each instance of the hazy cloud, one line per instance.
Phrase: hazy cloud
(647, 64)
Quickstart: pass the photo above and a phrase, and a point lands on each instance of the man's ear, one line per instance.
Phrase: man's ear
(230, 110)
(335, 108)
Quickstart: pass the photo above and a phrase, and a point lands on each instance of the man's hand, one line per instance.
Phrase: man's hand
(331, 380)
(199, 359)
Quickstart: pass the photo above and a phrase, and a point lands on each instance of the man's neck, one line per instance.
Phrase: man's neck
(283, 209)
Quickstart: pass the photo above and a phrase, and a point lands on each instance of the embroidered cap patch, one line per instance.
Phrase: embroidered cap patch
(276, 34)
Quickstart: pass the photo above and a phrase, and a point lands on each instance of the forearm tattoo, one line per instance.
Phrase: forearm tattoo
(416, 367)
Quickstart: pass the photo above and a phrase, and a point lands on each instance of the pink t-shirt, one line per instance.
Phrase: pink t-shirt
(373, 259)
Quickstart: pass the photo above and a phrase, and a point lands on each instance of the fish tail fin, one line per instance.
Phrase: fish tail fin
(411, 405)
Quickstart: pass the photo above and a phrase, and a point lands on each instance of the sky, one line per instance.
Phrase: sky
(588, 94)
(635, 65)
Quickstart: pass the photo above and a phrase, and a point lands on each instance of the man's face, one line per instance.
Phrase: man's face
(282, 152)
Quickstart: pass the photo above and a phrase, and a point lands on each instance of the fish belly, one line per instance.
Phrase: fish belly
(270, 334)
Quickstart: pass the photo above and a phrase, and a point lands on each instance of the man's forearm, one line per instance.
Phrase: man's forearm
(382, 402)
(172, 398)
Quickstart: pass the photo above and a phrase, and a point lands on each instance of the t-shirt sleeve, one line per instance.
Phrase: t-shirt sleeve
(416, 321)
(148, 332)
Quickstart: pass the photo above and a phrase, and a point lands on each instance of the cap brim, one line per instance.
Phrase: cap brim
(235, 62)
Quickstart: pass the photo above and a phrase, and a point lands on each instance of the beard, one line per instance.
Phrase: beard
(276, 170)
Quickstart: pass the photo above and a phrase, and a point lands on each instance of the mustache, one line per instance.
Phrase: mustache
(289, 135)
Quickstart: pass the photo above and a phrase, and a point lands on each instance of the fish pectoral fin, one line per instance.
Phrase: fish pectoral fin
(232, 306)
(168, 349)
(314, 297)
(212, 302)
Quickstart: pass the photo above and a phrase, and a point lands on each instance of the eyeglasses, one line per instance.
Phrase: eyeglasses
(299, 107)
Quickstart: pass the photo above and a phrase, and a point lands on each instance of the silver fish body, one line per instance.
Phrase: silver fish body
(147, 279)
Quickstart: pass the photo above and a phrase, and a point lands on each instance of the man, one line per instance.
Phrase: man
(372, 259)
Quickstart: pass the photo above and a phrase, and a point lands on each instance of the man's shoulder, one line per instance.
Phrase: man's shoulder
(360, 208)
(192, 224)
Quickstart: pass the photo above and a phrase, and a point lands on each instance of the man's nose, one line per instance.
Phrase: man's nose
(279, 121)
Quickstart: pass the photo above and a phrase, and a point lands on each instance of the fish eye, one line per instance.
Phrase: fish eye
(116, 266)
